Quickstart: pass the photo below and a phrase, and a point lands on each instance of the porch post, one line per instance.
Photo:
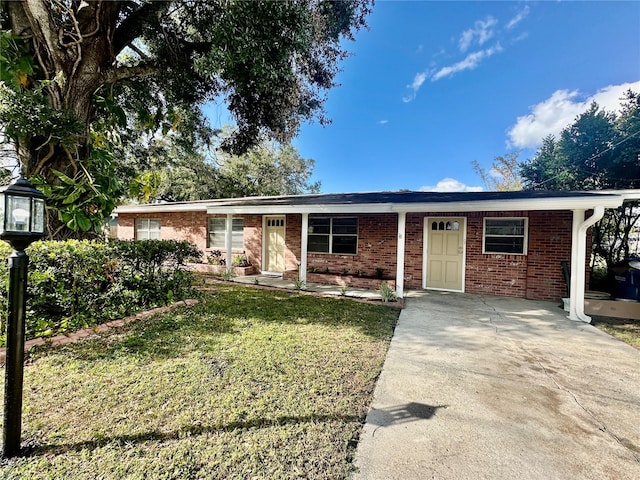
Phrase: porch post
(302, 272)
(402, 220)
(578, 260)
(228, 240)
(578, 218)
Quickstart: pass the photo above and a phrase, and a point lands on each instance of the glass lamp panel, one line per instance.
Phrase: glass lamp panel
(18, 213)
(38, 216)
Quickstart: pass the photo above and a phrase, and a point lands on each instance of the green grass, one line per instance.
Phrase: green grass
(249, 384)
(627, 330)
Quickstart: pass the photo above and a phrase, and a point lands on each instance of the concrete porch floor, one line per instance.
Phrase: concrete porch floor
(277, 282)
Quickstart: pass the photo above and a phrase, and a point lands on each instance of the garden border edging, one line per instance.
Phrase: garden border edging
(103, 327)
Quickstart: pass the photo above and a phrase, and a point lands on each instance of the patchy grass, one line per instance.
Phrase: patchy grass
(249, 384)
(625, 329)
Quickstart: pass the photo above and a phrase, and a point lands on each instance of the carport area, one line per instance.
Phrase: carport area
(479, 387)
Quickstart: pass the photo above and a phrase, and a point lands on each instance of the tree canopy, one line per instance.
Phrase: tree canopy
(599, 150)
(78, 77)
(504, 174)
(267, 169)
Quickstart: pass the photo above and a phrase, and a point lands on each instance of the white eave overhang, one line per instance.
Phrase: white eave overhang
(561, 203)
(609, 199)
(163, 208)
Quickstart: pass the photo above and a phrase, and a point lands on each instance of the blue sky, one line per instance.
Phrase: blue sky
(432, 86)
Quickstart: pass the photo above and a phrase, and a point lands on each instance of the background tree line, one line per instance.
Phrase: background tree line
(600, 150)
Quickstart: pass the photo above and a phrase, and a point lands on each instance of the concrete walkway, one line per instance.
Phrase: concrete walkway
(477, 387)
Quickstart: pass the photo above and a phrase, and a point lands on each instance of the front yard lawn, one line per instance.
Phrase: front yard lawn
(627, 330)
(249, 384)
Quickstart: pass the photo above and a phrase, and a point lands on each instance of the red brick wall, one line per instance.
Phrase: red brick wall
(536, 275)
(377, 243)
(192, 226)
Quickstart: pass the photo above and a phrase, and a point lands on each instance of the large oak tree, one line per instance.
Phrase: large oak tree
(78, 75)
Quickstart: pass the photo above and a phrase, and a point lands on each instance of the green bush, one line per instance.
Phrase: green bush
(76, 284)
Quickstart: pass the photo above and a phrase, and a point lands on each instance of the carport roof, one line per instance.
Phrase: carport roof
(381, 202)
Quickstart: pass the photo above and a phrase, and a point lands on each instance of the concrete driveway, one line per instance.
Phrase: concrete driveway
(488, 387)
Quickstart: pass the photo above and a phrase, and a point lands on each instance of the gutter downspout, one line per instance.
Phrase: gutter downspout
(578, 260)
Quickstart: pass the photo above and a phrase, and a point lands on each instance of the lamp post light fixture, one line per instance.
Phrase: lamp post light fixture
(21, 223)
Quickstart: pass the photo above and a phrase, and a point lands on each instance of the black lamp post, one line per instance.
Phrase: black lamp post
(21, 223)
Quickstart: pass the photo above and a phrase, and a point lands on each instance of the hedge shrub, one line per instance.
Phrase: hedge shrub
(76, 284)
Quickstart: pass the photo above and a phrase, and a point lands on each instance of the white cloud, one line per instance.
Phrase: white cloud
(418, 80)
(450, 185)
(521, 15)
(550, 116)
(383, 122)
(470, 62)
(481, 32)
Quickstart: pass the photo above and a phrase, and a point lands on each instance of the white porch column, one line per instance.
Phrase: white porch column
(228, 240)
(302, 270)
(578, 261)
(402, 220)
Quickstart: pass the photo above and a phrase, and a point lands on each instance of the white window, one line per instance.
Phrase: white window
(333, 235)
(505, 235)
(147, 229)
(217, 233)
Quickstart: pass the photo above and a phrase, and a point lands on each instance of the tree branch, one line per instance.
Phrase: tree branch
(131, 27)
(124, 73)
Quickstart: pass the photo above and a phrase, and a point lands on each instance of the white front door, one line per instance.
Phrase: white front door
(274, 244)
(443, 267)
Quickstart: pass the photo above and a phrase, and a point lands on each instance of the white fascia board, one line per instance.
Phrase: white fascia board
(627, 195)
(570, 203)
(320, 208)
(612, 200)
(162, 208)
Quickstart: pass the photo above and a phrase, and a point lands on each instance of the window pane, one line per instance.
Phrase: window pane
(318, 244)
(237, 224)
(237, 234)
(345, 244)
(216, 232)
(504, 227)
(504, 244)
(345, 226)
(319, 225)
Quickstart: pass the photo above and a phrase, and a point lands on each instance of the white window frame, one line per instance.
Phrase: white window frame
(330, 235)
(237, 237)
(524, 236)
(143, 226)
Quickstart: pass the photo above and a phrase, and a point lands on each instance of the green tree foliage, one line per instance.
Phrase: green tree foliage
(504, 174)
(172, 174)
(268, 169)
(599, 150)
(79, 78)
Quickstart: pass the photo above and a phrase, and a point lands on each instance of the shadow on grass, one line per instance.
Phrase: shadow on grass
(193, 430)
(229, 311)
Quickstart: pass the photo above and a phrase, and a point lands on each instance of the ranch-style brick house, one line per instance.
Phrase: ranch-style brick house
(498, 243)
